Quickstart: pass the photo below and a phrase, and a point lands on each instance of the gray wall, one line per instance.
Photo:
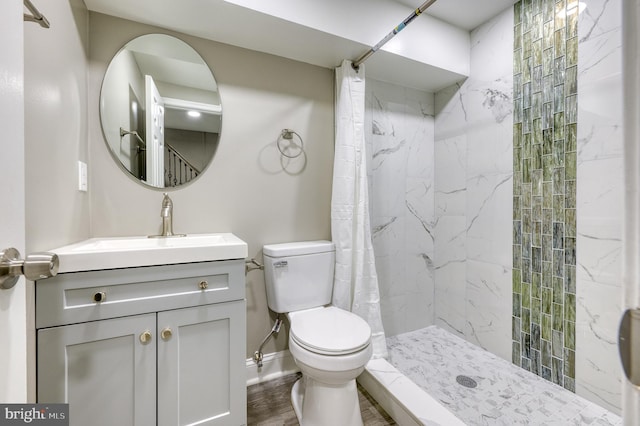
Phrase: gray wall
(55, 111)
(56, 126)
(248, 189)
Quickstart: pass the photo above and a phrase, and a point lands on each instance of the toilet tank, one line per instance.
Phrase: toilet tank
(298, 275)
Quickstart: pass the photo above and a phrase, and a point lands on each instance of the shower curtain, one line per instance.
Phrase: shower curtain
(356, 282)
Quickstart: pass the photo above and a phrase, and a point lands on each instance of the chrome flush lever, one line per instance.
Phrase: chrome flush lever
(281, 264)
(36, 266)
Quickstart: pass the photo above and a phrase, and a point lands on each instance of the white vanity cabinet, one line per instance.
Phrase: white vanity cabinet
(155, 345)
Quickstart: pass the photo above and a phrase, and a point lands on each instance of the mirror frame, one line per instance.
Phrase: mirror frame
(171, 101)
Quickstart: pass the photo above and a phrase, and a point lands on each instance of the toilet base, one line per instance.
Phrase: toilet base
(320, 404)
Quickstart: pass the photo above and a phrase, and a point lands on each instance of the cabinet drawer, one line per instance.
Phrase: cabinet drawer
(95, 295)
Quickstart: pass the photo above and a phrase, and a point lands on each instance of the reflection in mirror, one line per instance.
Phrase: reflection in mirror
(160, 111)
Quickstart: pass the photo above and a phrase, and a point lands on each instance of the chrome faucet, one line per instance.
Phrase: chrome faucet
(167, 218)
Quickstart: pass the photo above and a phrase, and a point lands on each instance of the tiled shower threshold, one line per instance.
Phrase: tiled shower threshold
(418, 387)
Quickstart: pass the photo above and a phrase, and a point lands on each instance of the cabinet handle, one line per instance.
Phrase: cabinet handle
(166, 333)
(203, 285)
(99, 297)
(145, 337)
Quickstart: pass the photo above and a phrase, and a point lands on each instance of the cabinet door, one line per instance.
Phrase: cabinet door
(102, 370)
(201, 365)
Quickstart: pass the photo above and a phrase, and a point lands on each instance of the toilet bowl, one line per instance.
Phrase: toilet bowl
(331, 346)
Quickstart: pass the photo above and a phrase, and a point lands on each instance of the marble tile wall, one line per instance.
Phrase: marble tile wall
(441, 192)
(473, 194)
(568, 194)
(600, 194)
(399, 126)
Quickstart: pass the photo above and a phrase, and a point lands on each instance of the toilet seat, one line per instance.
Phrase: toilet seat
(329, 331)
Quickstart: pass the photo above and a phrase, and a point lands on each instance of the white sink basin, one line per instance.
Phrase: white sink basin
(126, 252)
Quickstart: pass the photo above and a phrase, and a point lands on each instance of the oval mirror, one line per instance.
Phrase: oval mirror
(160, 111)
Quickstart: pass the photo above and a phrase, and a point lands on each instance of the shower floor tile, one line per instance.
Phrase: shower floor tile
(505, 394)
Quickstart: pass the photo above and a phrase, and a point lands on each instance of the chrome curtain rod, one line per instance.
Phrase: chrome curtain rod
(356, 64)
(35, 16)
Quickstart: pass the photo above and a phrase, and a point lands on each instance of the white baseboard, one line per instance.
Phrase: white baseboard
(274, 366)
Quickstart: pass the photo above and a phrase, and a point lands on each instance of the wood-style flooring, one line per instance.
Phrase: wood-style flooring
(269, 404)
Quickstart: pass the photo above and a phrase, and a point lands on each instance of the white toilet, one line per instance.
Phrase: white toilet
(330, 345)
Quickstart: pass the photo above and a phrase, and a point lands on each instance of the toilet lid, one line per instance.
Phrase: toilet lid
(330, 331)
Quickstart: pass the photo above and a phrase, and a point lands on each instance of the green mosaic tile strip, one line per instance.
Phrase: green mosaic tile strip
(545, 78)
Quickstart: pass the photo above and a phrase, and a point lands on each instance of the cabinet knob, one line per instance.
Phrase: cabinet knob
(99, 297)
(145, 337)
(166, 333)
(203, 285)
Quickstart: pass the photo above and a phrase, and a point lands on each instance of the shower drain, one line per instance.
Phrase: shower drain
(466, 381)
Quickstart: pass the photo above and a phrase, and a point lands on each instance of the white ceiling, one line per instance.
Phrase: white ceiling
(306, 31)
(466, 14)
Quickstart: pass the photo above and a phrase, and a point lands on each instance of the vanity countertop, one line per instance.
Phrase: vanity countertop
(126, 252)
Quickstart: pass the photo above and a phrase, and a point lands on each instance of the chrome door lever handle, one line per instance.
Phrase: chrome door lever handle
(36, 266)
(629, 344)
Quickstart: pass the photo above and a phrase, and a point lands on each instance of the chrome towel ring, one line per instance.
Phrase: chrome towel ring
(288, 135)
